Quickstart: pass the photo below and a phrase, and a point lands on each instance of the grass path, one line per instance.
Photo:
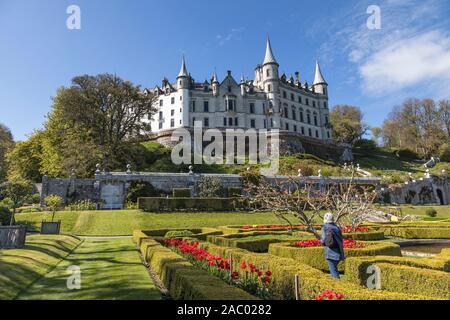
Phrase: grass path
(110, 269)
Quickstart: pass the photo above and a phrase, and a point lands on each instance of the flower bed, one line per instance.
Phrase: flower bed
(330, 295)
(314, 255)
(355, 229)
(249, 278)
(311, 243)
(274, 226)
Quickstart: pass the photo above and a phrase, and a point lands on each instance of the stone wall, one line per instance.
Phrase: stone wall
(433, 190)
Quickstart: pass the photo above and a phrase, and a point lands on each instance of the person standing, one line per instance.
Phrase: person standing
(333, 241)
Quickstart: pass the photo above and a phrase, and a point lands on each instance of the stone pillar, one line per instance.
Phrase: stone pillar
(44, 189)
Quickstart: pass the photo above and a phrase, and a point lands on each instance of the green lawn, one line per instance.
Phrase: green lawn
(19, 268)
(126, 221)
(110, 269)
(443, 211)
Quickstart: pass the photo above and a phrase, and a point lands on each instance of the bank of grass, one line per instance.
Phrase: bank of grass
(443, 212)
(124, 222)
(110, 269)
(19, 268)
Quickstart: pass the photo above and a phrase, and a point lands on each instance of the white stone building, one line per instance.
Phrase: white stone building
(268, 101)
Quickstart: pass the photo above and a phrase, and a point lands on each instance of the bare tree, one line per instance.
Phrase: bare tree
(307, 201)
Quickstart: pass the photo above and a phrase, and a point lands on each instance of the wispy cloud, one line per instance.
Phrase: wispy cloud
(234, 34)
(412, 50)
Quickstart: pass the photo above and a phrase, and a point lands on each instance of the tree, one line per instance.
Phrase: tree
(25, 158)
(17, 190)
(444, 115)
(6, 143)
(95, 119)
(304, 201)
(348, 125)
(54, 203)
(417, 125)
(377, 133)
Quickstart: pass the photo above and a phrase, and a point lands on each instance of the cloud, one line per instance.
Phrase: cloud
(422, 60)
(412, 50)
(233, 34)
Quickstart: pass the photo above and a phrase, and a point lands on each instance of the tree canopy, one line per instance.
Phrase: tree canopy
(348, 125)
(6, 143)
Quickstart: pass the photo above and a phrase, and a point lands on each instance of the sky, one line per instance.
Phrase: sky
(143, 41)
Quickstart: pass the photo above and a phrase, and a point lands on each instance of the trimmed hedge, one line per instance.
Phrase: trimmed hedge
(179, 204)
(315, 256)
(183, 280)
(312, 282)
(356, 267)
(365, 236)
(254, 245)
(181, 193)
(418, 233)
(200, 234)
(412, 280)
(234, 192)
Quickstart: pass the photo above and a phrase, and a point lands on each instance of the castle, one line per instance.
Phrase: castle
(269, 101)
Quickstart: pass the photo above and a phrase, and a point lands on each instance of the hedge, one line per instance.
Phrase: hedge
(200, 234)
(412, 280)
(315, 256)
(365, 236)
(312, 282)
(418, 233)
(254, 245)
(183, 280)
(181, 193)
(234, 192)
(179, 204)
(356, 267)
(239, 229)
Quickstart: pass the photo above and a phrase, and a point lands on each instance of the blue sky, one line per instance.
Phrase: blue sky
(143, 41)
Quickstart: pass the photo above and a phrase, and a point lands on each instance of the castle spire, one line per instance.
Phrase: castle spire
(214, 78)
(318, 79)
(269, 58)
(183, 70)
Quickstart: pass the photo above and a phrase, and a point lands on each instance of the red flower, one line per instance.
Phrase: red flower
(339, 296)
(268, 273)
(260, 273)
(243, 265)
(266, 279)
(235, 275)
(319, 297)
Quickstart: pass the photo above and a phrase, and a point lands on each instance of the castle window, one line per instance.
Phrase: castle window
(308, 117)
(205, 106)
(310, 132)
(317, 133)
(193, 121)
(269, 87)
(231, 105)
(315, 120)
(160, 115)
(160, 125)
(172, 113)
(172, 123)
(271, 122)
(252, 123)
(193, 105)
(268, 72)
(181, 110)
(326, 119)
(287, 126)
(294, 114)
(286, 113)
(302, 119)
(161, 102)
(328, 134)
(229, 89)
(307, 101)
(292, 97)
(206, 122)
(314, 104)
(284, 95)
(230, 122)
(224, 122)
(181, 98)
(299, 99)
(172, 100)
(325, 104)
(236, 122)
(303, 130)
(265, 124)
(252, 108)
(295, 128)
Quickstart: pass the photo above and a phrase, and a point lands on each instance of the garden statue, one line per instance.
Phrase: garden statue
(427, 174)
(97, 166)
(128, 168)
(191, 168)
(300, 173)
(319, 173)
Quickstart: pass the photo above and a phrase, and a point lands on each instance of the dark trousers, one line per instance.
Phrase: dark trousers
(333, 265)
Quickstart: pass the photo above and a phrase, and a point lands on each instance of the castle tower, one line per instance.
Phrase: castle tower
(271, 83)
(183, 80)
(242, 85)
(215, 84)
(319, 84)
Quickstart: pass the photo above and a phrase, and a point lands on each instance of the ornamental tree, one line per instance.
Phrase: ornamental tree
(17, 190)
(54, 203)
(307, 202)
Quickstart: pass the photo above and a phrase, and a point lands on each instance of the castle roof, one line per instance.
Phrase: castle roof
(318, 79)
(269, 58)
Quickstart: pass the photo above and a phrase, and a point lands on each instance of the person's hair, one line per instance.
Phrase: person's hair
(328, 218)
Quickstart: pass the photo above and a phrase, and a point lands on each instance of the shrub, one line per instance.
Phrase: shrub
(406, 154)
(431, 212)
(418, 232)
(183, 280)
(365, 146)
(307, 170)
(209, 187)
(139, 189)
(178, 234)
(444, 152)
(315, 256)
(54, 203)
(5, 216)
(234, 192)
(29, 209)
(180, 204)
(181, 193)
(83, 205)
